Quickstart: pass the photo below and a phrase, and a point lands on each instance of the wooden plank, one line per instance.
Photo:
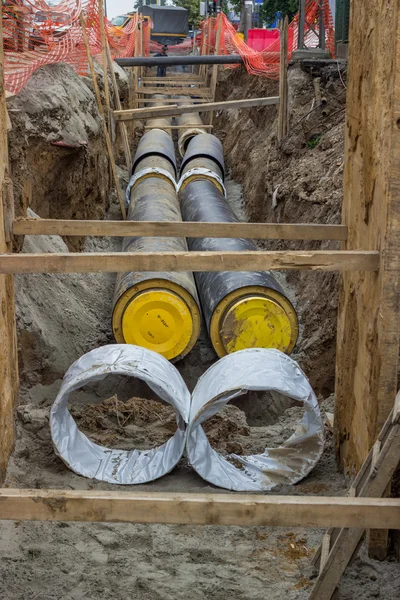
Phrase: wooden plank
(124, 132)
(214, 71)
(101, 111)
(189, 126)
(345, 542)
(197, 509)
(168, 91)
(168, 101)
(116, 262)
(103, 40)
(148, 113)
(283, 82)
(8, 336)
(267, 231)
(368, 314)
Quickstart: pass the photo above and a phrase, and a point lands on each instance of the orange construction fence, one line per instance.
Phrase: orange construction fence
(37, 34)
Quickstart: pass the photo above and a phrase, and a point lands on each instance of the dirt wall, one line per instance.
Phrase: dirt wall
(56, 143)
(298, 181)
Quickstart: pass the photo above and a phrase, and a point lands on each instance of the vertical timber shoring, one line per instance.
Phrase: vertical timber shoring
(8, 337)
(368, 314)
(283, 119)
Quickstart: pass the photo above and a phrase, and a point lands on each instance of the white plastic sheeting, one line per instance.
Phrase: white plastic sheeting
(120, 466)
(253, 369)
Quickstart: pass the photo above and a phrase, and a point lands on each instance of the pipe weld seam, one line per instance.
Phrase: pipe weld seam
(156, 171)
(202, 174)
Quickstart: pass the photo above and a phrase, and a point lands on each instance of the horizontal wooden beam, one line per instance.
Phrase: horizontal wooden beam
(175, 77)
(199, 509)
(174, 91)
(189, 126)
(170, 111)
(117, 262)
(261, 231)
(168, 101)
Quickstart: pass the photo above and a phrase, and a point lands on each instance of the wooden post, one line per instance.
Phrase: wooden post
(368, 317)
(214, 74)
(104, 59)
(123, 130)
(8, 334)
(283, 120)
(101, 111)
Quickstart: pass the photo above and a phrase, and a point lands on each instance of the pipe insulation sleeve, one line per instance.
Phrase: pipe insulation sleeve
(241, 309)
(123, 467)
(163, 123)
(155, 143)
(197, 174)
(191, 124)
(145, 174)
(205, 146)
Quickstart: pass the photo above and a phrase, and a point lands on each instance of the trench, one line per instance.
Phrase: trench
(60, 317)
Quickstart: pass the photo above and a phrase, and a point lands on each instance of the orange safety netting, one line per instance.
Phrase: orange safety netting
(36, 34)
(266, 63)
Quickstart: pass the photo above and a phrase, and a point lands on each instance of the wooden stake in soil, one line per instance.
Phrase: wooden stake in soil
(214, 74)
(8, 334)
(101, 111)
(122, 127)
(283, 120)
(104, 58)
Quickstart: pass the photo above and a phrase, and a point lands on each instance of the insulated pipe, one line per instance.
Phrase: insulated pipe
(192, 125)
(168, 61)
(241, 309)
(163, 123)
(159, 311)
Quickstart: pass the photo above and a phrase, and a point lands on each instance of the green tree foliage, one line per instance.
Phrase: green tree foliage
(269, 8)
(193, 6)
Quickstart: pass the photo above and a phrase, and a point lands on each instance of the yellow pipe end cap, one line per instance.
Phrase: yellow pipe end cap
(255, 322)
(158, 320)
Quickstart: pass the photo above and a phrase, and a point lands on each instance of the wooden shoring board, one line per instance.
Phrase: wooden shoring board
(340, 546)
(189, 126)
(122, 126)
(197, 101)
(101, 111)
(369, 307)
(197, 509)
(8, 334)
(177, 91)
(276, 231)
(214, 71)
(117, 262)
(170, 111)
(283, 82)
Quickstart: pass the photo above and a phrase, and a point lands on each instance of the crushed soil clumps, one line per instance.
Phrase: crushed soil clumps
(136, 423)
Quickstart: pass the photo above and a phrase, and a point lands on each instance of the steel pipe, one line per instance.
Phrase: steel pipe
(163, 123)
(191, 124)
(241, 309)
(156, 143)
(155, 61)
(159, 311)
